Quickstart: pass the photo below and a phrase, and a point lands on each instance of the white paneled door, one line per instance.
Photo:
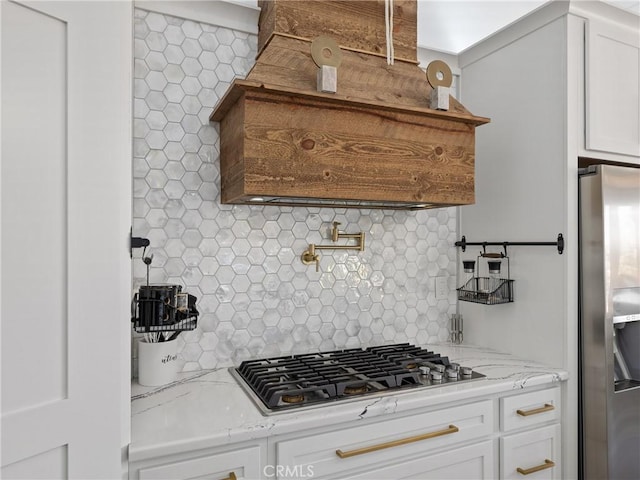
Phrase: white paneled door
(65, 216)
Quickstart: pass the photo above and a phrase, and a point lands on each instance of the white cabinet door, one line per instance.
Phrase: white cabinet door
(612, 88)
(66, 212)
(534, 454)
(473, 462)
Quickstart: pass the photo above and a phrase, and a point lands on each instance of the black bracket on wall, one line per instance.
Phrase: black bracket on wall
(137, 242)
(559, 244)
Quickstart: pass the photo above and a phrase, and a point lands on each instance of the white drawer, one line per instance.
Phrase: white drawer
(244, 463)
(529, 409)
(362, 447)
(535, 452)
(471, 462)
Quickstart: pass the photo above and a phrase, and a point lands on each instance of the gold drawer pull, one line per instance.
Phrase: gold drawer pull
(396, 443)
(525, 413)
(526, 471)
(232, 476)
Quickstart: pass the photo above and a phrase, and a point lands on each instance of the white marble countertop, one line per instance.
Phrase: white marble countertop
(209, 408)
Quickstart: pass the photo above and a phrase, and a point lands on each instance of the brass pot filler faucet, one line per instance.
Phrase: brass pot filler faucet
(310, 256)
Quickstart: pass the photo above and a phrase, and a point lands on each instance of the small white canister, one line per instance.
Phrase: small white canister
(157, 363)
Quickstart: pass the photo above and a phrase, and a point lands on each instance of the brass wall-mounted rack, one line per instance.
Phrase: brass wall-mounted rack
(310, 256)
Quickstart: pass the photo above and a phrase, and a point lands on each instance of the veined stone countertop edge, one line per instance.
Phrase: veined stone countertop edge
(209, 409)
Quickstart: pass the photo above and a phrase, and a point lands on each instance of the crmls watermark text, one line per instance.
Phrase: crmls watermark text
(288, 471)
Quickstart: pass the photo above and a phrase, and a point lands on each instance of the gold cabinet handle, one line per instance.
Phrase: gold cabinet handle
(526, 471)
(396, 443)
(525, 413)
(232, 476)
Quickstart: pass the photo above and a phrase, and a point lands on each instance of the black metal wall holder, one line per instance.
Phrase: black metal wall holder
(559, 244)
(137, 242)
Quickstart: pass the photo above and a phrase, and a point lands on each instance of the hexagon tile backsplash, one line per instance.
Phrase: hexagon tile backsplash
(255, 296)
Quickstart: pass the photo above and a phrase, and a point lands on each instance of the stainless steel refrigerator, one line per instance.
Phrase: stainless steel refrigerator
(610, 322)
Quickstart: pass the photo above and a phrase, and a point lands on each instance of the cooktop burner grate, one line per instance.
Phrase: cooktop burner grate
(288, 382)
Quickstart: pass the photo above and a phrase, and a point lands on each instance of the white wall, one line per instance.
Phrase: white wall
(520, 180)
(529, 80)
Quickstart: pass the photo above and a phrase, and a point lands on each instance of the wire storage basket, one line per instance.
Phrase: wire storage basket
(163, 308)
(487, 290)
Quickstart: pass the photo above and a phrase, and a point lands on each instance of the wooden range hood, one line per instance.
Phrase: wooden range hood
(375, 143)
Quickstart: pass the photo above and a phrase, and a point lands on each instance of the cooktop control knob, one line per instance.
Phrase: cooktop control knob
(452, 374)
(424, 370)
(454, 366)
(466, 371)
(436, 376)
(435, 366)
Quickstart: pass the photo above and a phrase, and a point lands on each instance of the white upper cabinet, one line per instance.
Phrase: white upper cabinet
(612, 85)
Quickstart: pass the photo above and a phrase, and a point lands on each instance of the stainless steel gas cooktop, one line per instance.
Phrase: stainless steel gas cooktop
(291, 382)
